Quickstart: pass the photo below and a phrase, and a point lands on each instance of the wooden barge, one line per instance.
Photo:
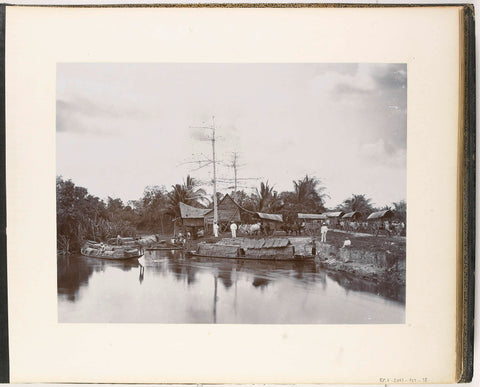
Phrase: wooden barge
(272, 249)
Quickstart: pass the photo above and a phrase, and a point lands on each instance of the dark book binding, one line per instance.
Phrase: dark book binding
(4, 355)
(467, 264)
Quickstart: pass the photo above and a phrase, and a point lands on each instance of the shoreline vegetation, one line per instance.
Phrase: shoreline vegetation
(377, 259)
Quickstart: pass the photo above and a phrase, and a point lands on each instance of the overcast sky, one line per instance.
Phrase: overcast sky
(121, 127)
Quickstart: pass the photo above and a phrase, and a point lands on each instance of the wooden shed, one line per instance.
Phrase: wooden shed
(190, 218)
(380, 215)
(271, 222)
(228, 211)
(380, 221)
(352, 216)
(333, 218)
(350, 221)
(312, 218)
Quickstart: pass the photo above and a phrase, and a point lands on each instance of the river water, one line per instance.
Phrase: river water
(166, 287)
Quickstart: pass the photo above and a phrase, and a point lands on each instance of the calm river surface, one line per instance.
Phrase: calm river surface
(166, 287)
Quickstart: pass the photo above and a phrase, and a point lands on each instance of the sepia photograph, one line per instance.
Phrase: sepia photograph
(231, 193)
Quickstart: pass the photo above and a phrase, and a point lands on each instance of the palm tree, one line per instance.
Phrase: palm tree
(276, 202)
(195, 196)
(358, 203)
(263, 196)
(187, 193)
(400, 210)
(309, 195)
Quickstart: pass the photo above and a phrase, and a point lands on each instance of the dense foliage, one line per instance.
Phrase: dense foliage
(81, 216)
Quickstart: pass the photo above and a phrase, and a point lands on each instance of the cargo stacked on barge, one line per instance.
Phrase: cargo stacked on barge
(276, 249)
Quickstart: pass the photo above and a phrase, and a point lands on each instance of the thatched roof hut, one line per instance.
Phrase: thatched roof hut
(380, 215)
(352, 215)
(333, 217)
(189, 212)
(334, 214)
(312, 217)
(269, 217)
(228, 211)
(191, 216)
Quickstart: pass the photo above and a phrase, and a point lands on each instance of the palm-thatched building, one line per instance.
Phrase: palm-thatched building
(350, 221)
(334, 217)
(270, 222)
(380, 215)
(312, 218)
(191, 218)
(352, 216)
(380, 220)
(228, 211)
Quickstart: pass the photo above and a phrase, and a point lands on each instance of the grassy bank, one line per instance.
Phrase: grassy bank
(381, 261)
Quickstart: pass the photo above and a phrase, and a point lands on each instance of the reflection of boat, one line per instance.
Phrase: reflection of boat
(99, 250)
(165, 245)
(273, 249)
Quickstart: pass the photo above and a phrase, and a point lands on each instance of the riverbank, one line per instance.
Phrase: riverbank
(381, 261)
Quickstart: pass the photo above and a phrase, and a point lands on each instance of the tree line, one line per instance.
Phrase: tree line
(82, 216)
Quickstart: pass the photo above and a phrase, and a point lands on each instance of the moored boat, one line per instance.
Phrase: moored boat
(99, 250)
(165, 245)
(273, 249)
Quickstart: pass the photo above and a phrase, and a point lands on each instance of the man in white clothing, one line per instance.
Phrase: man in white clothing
(215, 230)
(323, 233)
(233, 229)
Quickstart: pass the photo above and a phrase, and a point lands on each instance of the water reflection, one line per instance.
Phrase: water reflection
(166, 287)
(73, 272)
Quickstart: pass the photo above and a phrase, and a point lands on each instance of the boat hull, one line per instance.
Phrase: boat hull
(163, 248)
(296, 258)
(86, 252)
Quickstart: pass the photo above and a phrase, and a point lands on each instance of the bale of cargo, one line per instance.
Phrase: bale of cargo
(147, 240)
(269, 253)
(129, 244)
(218, 251)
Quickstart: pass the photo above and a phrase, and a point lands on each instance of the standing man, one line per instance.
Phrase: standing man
(215, 230)
(323, 233)
(233, 229)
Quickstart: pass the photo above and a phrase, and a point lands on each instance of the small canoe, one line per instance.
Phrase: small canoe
(110, 252)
